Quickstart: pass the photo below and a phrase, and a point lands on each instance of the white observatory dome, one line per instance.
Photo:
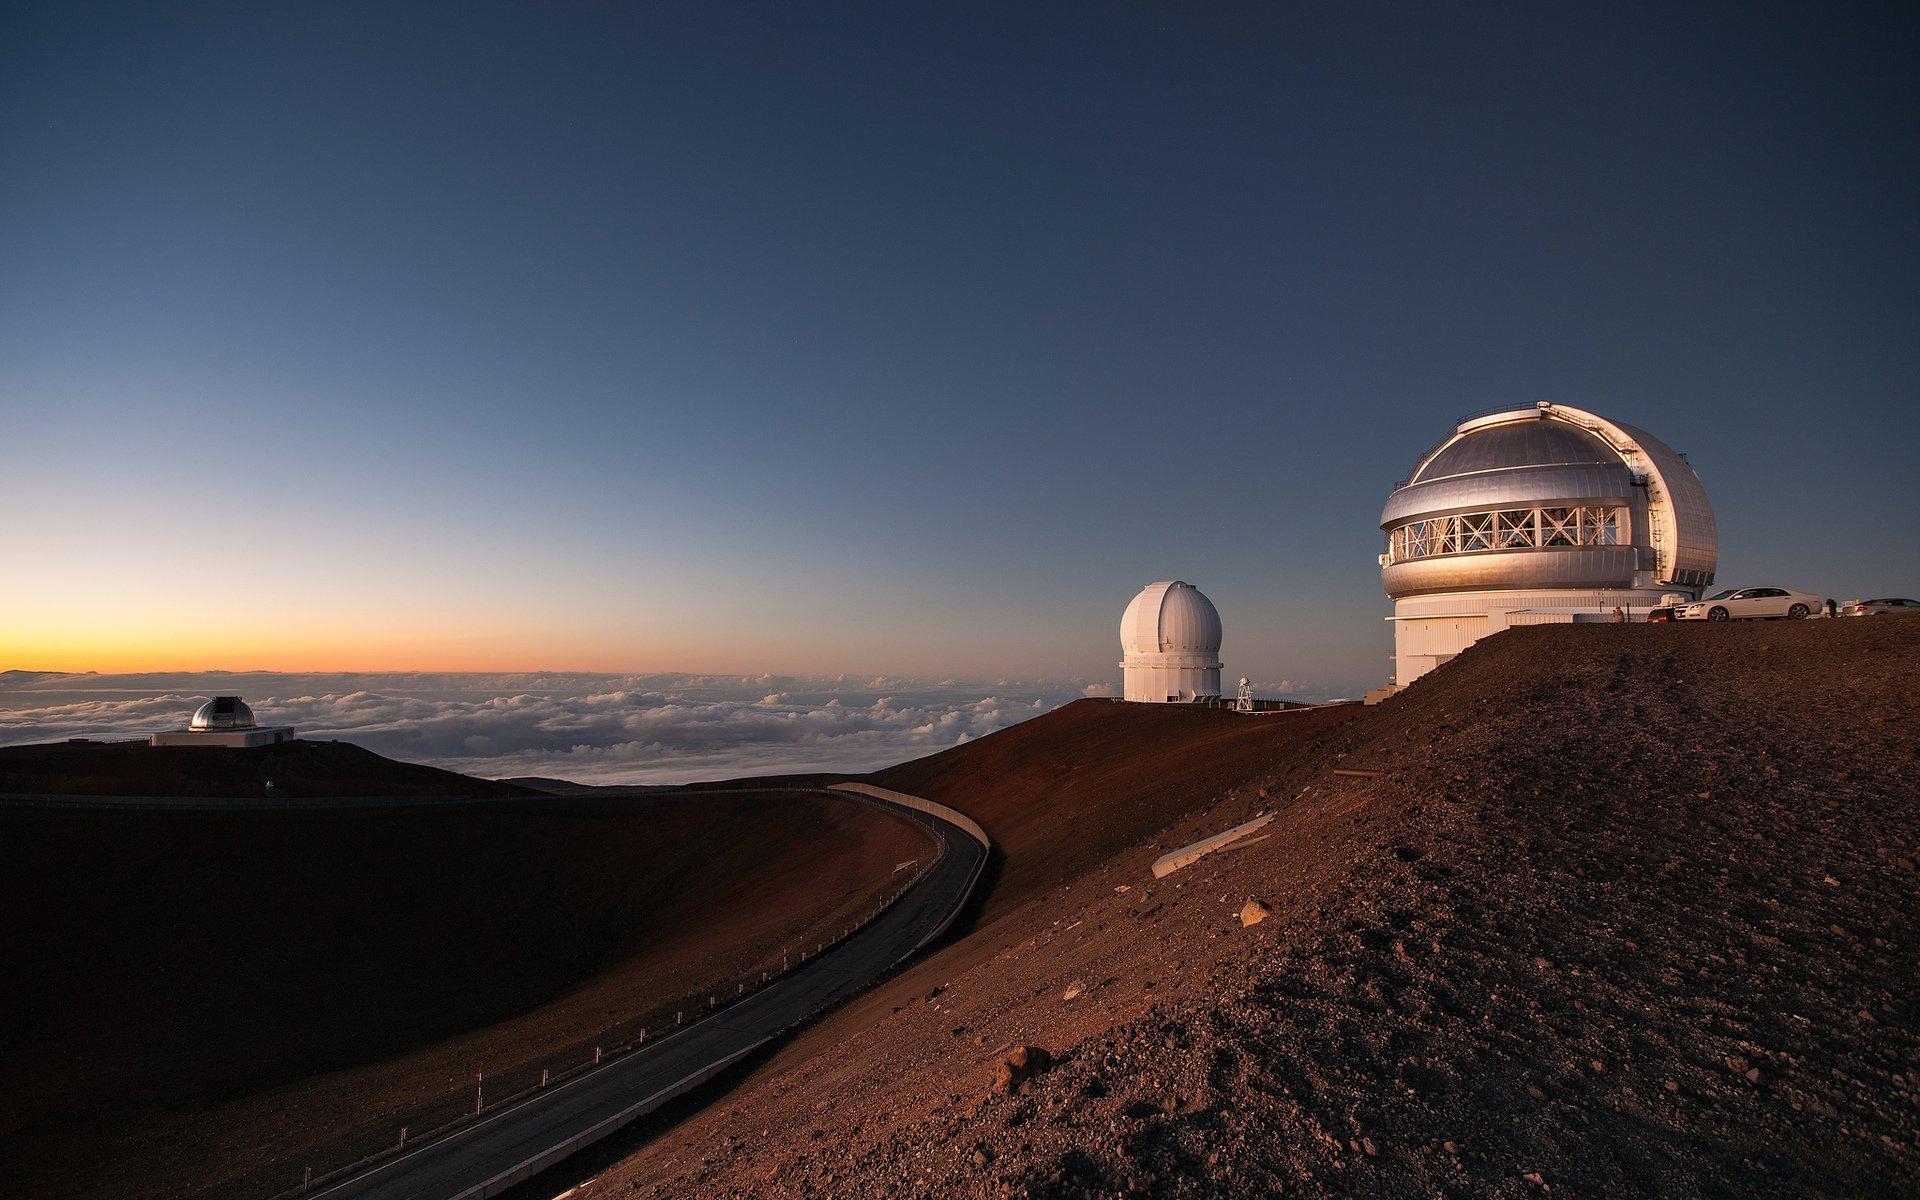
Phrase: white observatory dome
(223, 712)
(1170, 639)
(1534, 516)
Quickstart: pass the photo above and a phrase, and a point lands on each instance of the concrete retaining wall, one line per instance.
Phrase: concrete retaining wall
(951, 816)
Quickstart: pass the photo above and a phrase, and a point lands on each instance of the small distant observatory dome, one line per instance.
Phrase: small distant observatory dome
(223, 712)
(1170, 641)
(1535, 516)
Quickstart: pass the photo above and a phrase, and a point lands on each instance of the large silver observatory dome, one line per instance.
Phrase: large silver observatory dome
(223, 712)
(1537, 516)
(1548, 497)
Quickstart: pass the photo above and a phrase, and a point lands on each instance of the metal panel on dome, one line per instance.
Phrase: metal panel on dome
(223, 712)
(1140, 624)
(1188, 622)
(1695, 546)
(1565, 484)
(1556, 567)
(1531, 441)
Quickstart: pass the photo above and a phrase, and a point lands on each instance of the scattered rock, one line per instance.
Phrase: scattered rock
(1017, 1065)
(1253, 912)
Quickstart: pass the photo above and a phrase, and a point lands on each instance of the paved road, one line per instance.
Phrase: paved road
(503, 1148)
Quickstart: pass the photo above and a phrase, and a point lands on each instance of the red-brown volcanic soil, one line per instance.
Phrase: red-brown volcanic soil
(195, 997)
(1062, 792)
(1631, 911)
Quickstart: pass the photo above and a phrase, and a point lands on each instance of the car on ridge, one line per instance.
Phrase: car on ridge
(1876, 608)
(1753, 603)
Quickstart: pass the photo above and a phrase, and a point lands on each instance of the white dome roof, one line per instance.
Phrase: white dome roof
(1170, 617)
(223, 712)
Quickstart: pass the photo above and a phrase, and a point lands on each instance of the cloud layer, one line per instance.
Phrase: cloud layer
(590, 728)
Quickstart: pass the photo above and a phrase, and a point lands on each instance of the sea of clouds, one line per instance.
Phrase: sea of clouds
(637, 729)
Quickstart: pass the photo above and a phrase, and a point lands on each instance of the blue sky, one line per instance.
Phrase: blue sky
(894, 338)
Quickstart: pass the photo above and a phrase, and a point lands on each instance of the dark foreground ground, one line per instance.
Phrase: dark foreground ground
(200, 1003)
(1632, 911)
(296, 769)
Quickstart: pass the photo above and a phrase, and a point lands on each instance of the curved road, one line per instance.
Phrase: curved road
(503, 1148)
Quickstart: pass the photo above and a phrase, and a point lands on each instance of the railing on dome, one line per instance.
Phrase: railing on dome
(1536, 528)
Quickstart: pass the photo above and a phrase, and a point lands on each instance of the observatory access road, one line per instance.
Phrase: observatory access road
(498, 1150)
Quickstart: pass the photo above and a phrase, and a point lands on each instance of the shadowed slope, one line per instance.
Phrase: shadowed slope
(193, 995)
(298, 769)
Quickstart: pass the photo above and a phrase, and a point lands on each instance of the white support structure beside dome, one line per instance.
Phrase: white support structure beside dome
(1170, 645)
(1536, 516)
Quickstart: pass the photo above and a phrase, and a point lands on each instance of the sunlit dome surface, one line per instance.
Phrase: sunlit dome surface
(223, 712)
(1170, 617)
(1548, 497)
(1528, 443)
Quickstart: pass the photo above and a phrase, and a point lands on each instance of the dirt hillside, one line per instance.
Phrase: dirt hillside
(199, 997)
(1064, 791)
(1631, 911)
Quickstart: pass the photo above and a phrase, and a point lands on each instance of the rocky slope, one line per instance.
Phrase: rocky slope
(1629, 911)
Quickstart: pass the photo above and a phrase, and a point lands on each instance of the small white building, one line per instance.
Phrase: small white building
(1170, 642)
(223, 721)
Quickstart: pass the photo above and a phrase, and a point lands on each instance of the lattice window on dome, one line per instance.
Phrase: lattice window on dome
(1513, 529)
(1509, 529)
(1600, 527)
(1476, 532)
(1560, 527)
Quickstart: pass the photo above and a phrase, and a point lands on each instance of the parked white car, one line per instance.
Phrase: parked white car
(1737, 604)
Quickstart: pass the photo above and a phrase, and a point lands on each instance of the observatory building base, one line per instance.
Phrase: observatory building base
(1429, 630)
(237, 738)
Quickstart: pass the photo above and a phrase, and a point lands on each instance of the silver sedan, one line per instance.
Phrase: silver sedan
(1875, 608)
